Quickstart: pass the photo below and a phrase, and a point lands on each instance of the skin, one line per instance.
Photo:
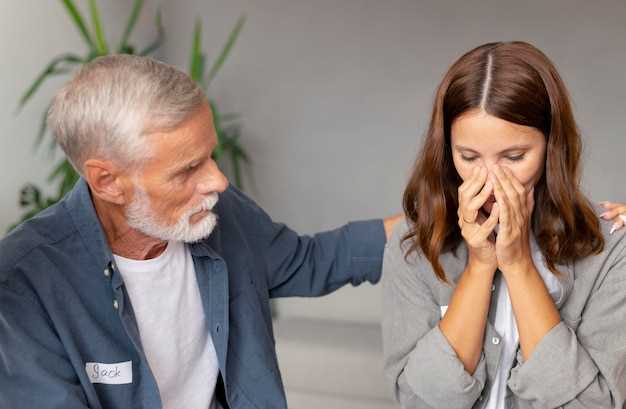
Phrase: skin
(179, 174)
(615, 212)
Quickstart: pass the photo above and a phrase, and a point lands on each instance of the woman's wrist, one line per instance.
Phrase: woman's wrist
(521, 269)
(480, 269)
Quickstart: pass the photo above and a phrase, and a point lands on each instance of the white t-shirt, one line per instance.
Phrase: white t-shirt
(506, 326)
(175, 337)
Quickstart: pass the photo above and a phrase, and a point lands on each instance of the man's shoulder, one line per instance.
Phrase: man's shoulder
(47, 228)
(236, 205)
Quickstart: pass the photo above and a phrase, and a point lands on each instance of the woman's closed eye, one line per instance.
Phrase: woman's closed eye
(513, 158)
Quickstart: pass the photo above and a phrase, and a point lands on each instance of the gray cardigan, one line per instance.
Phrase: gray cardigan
(580, 363)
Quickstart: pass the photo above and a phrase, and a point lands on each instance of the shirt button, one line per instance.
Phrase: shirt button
(107, 272)
(115, 304)
(495, 340)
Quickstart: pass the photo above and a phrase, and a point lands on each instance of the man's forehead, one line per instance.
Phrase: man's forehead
(184, 144)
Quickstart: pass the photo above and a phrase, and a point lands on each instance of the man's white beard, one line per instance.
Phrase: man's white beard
(140, 216)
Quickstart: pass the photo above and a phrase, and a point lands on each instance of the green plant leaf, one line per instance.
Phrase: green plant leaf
(196, 65)
(67, 175)
(235, 155)
(43, 126)
(79, 21)
(130, 26)
(101, 44)
(160, 36)
(230, 117)
(217, 152)
(58, 170)
(232, 38)
(30, 195)
(50, 70)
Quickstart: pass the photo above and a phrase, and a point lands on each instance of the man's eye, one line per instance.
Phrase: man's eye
(468, 158)
(515, 158)
(191, 168)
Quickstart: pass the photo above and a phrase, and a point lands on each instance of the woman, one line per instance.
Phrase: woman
(504, 289)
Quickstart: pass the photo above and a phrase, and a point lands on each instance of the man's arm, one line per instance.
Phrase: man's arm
(308, 266)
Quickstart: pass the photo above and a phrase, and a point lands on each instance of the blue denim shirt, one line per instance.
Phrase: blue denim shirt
(63, 302)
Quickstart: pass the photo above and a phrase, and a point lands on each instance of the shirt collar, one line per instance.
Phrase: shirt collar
(83, 213)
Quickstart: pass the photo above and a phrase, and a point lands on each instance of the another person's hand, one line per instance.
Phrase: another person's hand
(476, 228)
(391, 221)
(615, 212)
(516, 207)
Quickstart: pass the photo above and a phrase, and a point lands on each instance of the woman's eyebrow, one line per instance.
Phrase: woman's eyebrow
(520, 147)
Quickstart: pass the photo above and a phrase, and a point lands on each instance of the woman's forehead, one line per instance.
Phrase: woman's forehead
(480, 131)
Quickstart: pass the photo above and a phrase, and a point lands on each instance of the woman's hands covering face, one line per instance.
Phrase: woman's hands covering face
(476, 227)
(510, 249)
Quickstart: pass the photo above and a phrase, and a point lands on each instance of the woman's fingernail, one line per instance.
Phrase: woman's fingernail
(603, 215)
(614, 228)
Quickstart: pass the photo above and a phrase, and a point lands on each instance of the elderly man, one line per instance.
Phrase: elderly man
(148, 286)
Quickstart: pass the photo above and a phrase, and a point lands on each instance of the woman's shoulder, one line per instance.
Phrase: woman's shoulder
(401, 259)
(608, 265)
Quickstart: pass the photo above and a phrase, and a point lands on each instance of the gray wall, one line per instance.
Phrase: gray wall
(335, 96)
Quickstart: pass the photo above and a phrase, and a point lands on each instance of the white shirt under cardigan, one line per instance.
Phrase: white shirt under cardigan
(166, 300)
(506, 326)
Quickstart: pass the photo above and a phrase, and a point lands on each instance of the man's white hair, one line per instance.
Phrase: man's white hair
(113, 102)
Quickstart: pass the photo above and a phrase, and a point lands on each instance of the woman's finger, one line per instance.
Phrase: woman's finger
(479, 200)
(476, 184)
(503, 204)
(469, 213)
(469, 182)
(519, 188)
(490, 224)
(517, 205)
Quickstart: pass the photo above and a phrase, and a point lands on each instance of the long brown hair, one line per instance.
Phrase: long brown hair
(516, 82)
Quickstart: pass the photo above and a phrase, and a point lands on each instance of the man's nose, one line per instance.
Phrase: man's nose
(215, 181)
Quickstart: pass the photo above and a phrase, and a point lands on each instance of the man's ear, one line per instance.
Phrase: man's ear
(106, 181)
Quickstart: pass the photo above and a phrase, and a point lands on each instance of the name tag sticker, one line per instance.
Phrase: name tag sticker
(112, 374)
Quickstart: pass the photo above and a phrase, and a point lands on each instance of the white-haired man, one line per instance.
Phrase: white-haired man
(130, 293)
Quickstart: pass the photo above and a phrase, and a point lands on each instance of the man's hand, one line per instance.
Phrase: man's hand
(391, 221)
(615, 212)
